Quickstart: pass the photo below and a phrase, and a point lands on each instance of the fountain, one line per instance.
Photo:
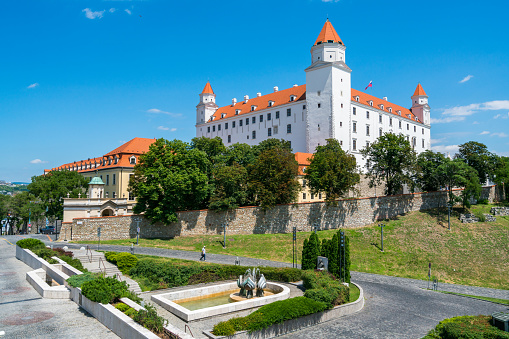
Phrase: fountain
(249, 283)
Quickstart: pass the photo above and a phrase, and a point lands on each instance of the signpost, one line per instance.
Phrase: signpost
(294, 243)
(429, 274)
(224, 235)
(449, 205)
(98, 236)
(382, 235)
(137, 230)
(342, 261)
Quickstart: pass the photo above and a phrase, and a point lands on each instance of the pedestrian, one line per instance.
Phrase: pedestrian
(203, 254)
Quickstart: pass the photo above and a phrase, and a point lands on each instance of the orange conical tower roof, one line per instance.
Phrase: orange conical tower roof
(328, 34)
(419, 90)
(207, 89)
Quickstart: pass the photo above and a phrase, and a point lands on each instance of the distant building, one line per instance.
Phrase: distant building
(325, 107)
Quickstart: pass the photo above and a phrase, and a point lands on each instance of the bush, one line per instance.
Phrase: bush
(483, 202)
(111, 257)
(104, 290)
(149, 319)
(467, 327)
(131, 312)
(30, 243)
(76, 263)
(133, 296)
(321, 286)
(481, 217)
(125, 261)
(122, 307)
(60, 251)
(273, 313)
(79, 279)
(45, 253)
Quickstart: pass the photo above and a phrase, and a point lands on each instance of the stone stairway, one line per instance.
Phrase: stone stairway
(96, 262)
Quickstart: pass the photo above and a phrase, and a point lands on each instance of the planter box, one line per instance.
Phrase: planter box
(299, 323)
(36, 279)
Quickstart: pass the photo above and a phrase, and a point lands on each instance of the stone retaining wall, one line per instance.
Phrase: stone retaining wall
(253, 220)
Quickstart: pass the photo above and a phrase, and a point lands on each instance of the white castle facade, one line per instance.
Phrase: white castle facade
(325, 107)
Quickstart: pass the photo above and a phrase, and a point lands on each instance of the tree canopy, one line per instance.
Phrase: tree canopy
(390, 160)
(476, 155)
(170, 177)
(426, 175)
(332, 171)
(51, 188)
(456, 173)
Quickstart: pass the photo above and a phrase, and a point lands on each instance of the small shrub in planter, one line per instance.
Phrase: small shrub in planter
(30, 243)
(131, 312)
(149, 319)
(104, 290)
(45, 253)
(321, 286)
(76, 263)
(79, 279)
(122, 307)
(224, 328)
(61, 251)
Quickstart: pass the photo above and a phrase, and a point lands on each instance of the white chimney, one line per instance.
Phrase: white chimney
(258, 94)
(295, 85)
(246, 98)
(234, 101)
(385, 98)
(276, 89)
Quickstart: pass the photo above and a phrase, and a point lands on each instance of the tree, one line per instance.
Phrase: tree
(242, 154)
(51, 188)
(214, 148)
(390, 159)
(456, 173)
(332, 171)
(310, 252)
(272, 177)
(170, 177)
(476, 155)
(230, 187)
(4, 205)
(426, 175)
(24, 207)
(502, 174)
(270, 144)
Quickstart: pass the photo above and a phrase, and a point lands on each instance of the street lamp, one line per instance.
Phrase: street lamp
(224, 234)
(449, 206)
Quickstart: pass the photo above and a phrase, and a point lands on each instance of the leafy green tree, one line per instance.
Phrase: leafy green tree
(502, 174)
(426, 175)
(271, 143)
(390, 160)
(272, 177)
(214, 148)
(4, 205)
(24, 207)
(456, 173)
(242, 154)
(476, 155)
(51, 188)
(332, 171)
(170, 177)
(230, 187)
(310, 252)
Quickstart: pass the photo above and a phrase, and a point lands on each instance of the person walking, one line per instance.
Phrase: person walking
(203, 254)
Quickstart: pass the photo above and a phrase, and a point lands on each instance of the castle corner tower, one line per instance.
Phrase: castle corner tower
(207, 105)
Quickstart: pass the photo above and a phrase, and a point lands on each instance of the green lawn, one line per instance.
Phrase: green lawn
(471, 254)
(500, 301)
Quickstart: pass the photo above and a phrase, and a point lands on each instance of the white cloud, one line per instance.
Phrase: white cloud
(501, 116)
(127, 11)
(173, 130)
(459, 113)
(452, 149)
(92, 15)
(158, 111)
(38, 161)
(465, 79)
(437, 141)
(485, 132)
(34, 85)
(112, 10)
(162, 128)
(475, 123)
(501, 135)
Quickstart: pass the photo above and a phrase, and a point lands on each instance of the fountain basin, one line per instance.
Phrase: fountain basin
(169, 301)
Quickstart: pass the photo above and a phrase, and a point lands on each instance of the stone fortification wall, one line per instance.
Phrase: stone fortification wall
(253, 220)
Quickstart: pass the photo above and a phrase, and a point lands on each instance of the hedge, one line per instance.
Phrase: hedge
(104, 290)
(79, 279)
(467, 327)
(267, 315)
(30, 243)
(322, 286)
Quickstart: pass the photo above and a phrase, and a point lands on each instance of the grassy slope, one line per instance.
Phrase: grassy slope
(470, 254)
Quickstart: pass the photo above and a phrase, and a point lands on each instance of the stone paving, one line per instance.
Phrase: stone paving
(24, 314)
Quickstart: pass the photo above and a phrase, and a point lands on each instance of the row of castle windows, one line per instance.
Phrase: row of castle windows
(247, 120)
(354, 127)
(102, 162)
(413, 143)
(269, 132)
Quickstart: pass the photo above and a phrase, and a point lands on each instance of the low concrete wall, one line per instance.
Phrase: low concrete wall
(36, 279)
(299, 323)
(349, 213)
(66, 268)
(29, 258)
(165, 300)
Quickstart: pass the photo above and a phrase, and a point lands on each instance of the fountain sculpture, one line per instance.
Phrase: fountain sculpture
(252, 279)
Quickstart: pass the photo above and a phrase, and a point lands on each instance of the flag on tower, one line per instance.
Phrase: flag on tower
(370, 85)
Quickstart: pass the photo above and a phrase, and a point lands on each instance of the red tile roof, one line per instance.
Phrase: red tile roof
(328, 34)
(207, 89)
(419, 90)
(302, 160)
(134, 146)
(366, 99)
(262, 102)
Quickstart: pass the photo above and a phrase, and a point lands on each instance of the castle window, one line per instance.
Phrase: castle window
(423, 131)
(367, 114)
(132, 160)
(422, 143)
(354, 144)
(288, 112)
(303, 106)
(229, 138)
(240, 122)
(303, 196)
(341, 105)
(382, 107)
(354, 111)
(367, 130)
(415, 128)
(237, 111)
(357, 98)
(367, 144)
(247, 121)
(219, 127)
(269, 116)
(399, 112)
(208, 129)
(400, 124)
(380, 132)
(407, 127)
(269, 132)
(318, 93)
(253, 108)
(254, 135)
(271, 103)
(277, 114)
(114, 179)
(214, 128)
(223, 115)
(380, 118)
(371, 102)
(354, 127)
(292, 97)
(319, 105)
(233, 124)
(254, 120)
(226, 125)
(289, 128)
(275, 129)
(261, 118)
(390, 109)
(341, 124)
(390, 121)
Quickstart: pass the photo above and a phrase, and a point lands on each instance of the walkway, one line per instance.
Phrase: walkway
(25, 314)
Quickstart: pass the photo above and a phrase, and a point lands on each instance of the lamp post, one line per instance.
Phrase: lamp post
(449, 205)
(224, 234)
(382, 235)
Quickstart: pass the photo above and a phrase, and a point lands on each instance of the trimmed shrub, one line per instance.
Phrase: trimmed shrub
(224, 328)
(467, 327)
(60, 251)
(125, 261)
(30, 243)
(133, 296)
(131, 312)
(149, 319)
(310, 252)
(104, 290)
(122, 307)
(76, 263)
(322, 287)
(111, 257)
(45, 253)
(79, 279)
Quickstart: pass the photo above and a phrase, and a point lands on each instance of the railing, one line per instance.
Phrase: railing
(102, 261)
(185, 330)
(89, 251)
(118, 276)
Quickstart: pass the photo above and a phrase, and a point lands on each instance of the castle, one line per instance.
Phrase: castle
(325, 107)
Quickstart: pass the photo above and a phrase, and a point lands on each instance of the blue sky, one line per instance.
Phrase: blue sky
(79, 78)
